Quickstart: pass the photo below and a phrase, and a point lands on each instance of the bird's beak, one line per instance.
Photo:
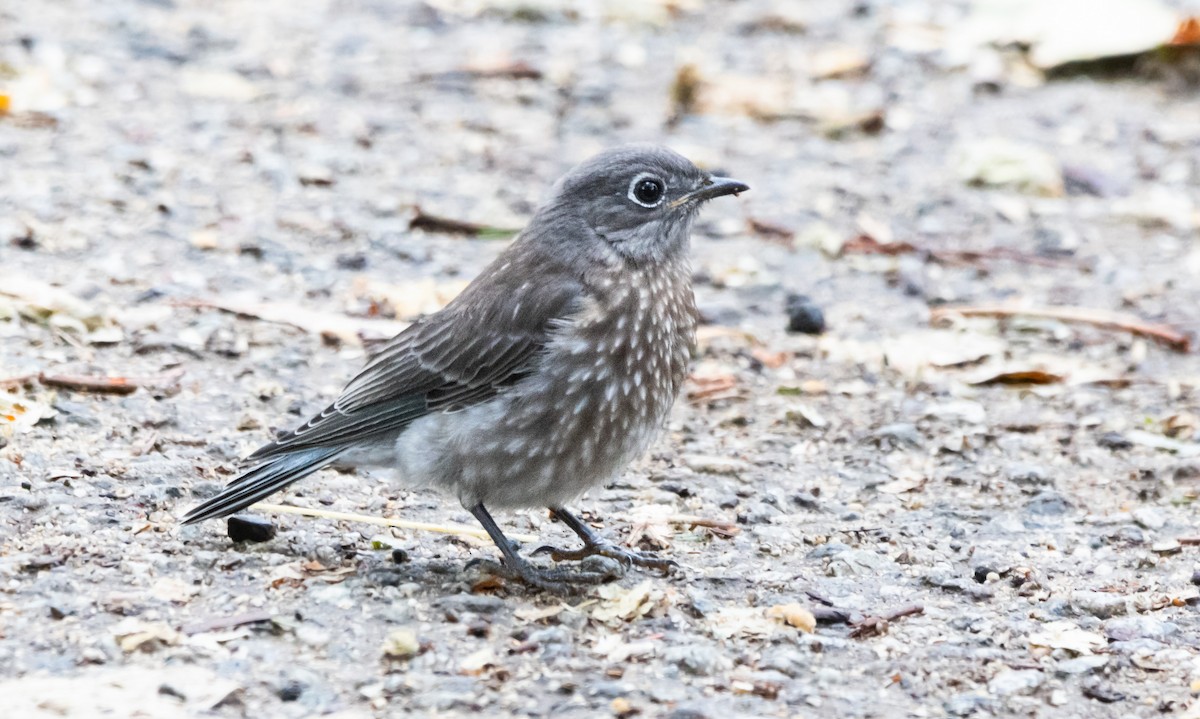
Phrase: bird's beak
(712, 187)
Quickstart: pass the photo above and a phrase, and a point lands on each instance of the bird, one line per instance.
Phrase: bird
(544, 378)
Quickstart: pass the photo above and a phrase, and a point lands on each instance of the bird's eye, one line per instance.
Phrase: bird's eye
(647, 191)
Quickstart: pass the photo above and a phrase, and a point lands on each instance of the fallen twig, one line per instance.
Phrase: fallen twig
(456, 529)
(17, 381)
(1098, 318)
(518, 70)
(717, 526)
(876, 625)
(110, 385)
(352, 330)
(219, 623)
(446, 225)
(1189, 541)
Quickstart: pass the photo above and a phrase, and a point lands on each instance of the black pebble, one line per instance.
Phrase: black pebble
(804, 315)
(399, 556)
(291, 691)
(1114, 441)
(246, 528)
(355, 261)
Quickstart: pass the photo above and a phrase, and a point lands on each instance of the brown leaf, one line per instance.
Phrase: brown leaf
(1188, 32)
(709, 387)
(770, 230)
(768, 359)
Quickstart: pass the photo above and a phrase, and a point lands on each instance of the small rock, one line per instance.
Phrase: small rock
(697, 659)
(248, 528)
(1099, 604)
(399, 556)
(312, 635)
(1114, 441)
(786, 660)
(1103, 693)
(1149, 518)
(1011, 682)
(1139, 627)
(804, 315)
(1081, 665)
(290, 691)
(356, 261)
(859, 562)
(481, 604)
(806, 500)
(898, 434)
(962, 705)
(1033, 474)
(1047, 504)
(714, 465)
(1168, 546)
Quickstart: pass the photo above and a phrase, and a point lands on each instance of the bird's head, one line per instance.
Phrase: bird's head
(638, 199)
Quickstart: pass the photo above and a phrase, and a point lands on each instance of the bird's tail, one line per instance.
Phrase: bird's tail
(263, 480)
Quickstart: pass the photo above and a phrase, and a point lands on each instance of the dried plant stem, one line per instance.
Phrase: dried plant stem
(386, 522)
(1081, 315)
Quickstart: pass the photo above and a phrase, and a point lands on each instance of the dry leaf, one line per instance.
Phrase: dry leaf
(411, 299)
(135, 635)
(705, 388)
(618, 604)
(742, 622)
(1067, 635)
(1188, 32)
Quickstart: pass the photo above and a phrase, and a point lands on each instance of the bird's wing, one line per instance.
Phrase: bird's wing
(486, 340)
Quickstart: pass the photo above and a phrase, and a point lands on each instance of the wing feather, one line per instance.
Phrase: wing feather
(465, 354)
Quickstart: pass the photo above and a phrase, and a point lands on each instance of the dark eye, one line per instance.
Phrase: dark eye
(647, 191)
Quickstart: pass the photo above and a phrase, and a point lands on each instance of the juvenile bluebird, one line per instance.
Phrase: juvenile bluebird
(544, 378)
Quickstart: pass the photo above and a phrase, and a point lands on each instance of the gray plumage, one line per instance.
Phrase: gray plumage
(546, 375)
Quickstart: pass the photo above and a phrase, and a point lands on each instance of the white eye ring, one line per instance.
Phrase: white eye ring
(635, 186)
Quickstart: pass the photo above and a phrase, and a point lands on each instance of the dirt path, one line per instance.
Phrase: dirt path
(1018, 495)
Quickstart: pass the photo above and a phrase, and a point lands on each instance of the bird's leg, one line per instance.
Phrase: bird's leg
(555, 581)
(594, 545)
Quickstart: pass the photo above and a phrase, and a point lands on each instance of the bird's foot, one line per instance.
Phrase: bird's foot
(554, 581)
(627, 557)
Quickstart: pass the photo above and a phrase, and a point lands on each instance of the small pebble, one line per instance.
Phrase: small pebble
(1099, 604)
(804, 315)
(1149, 518)
(291, 691)
(248, 528)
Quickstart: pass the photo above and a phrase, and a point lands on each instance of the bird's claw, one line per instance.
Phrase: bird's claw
(554, 581)
(627, 557)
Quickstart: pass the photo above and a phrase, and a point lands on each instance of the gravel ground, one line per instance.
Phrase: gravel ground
(985, 518)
